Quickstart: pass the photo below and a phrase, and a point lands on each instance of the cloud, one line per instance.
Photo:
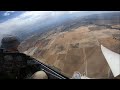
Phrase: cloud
(7, 13)
(31, 19)
(75, 11)
(27, 20)
(24, 20)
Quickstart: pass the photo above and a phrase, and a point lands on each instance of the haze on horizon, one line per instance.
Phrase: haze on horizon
(11, 21)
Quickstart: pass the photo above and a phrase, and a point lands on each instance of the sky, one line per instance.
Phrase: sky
(21, 20)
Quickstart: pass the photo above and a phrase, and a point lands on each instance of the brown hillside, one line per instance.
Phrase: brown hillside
(78, 50)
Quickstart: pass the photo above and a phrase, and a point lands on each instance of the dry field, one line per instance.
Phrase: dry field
(79, 50)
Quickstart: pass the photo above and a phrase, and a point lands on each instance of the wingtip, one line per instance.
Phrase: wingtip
(101, 46)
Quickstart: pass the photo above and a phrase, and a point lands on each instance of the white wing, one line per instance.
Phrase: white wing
(113, 60)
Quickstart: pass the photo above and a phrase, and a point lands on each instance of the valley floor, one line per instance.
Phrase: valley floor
(78, 50)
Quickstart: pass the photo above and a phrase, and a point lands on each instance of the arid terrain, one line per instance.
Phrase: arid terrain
(77, 49)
